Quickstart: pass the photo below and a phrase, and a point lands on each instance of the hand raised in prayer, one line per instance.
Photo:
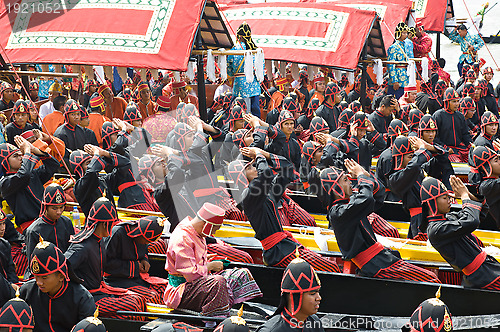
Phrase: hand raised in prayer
(459, 187)
(354, 168)
(161, 151)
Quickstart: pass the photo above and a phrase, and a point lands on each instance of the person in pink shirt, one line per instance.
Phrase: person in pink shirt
(195, 282)
(422, 43)
(409, 96)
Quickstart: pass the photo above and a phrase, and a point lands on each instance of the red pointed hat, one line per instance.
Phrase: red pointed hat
(163, 103)
(212, 215)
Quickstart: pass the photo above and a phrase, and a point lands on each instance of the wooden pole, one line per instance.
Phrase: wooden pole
(438, 45)
(200, 77)
(37, 73)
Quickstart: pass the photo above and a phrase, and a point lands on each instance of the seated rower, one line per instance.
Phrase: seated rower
(22, 184)
(7, 266)
(16, 316)
(330, 158)
(347, 215)
(19, 124)
(300, 301)
(127, 264)
(453, 131)
(86, 257)
(489, 129)
(261, 190)
(451, 233)
(153, 171)
(52, 225)
(406, 176)
(190, 285)
(16, 243)
(71, 133)
(486, 166)
(439, 166)
(195, 153)
(58, 300)
(91, 185)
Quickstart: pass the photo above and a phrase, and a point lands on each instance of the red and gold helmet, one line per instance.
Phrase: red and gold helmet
(430, 190)
(299, 277)
(481, 159)
(330, 178)
(360, 119)
(400, 147)
(317, 125)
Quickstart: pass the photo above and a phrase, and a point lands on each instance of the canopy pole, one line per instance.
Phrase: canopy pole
(438, 45)
(25, 81)
(200, 78)
(364, 65)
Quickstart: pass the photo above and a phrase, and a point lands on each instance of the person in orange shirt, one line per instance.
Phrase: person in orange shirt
(52, 121)
(181, 95)
(145, 104)
(115, 106)
(319, 88)
(284, 87)
(96, 119)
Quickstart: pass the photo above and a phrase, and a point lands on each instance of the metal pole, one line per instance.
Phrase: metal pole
(438, 45)
(200, 77)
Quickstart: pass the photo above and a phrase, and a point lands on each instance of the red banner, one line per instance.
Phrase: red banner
(391, 13)
(141, 33)
(431, 14)
(311, 33)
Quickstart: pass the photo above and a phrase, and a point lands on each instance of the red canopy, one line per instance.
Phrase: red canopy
(431, 14)
(391, 12)
(311, 33)
(141, 33)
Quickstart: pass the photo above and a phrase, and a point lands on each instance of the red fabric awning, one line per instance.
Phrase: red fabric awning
(141, 33)
(311, 33)
(431, 14)
(391, 12)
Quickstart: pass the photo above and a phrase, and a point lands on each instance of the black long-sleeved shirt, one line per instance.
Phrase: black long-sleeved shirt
(451, 235)
(24, 189)
(260, 202)
(61, 313)
(87, 259)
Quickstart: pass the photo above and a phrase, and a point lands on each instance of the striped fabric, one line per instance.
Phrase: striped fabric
(318, 262)
(405, 271)
(225, 251)
(20, 259)
(108, 306)
(381, 226)
(291, 213)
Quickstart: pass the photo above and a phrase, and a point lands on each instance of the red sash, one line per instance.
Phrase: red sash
(274, 239)
(476, 263)
(415, 211)
(107, 289)
(364, 257)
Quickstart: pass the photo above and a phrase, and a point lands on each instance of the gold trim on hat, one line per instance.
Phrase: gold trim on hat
(34, 266)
